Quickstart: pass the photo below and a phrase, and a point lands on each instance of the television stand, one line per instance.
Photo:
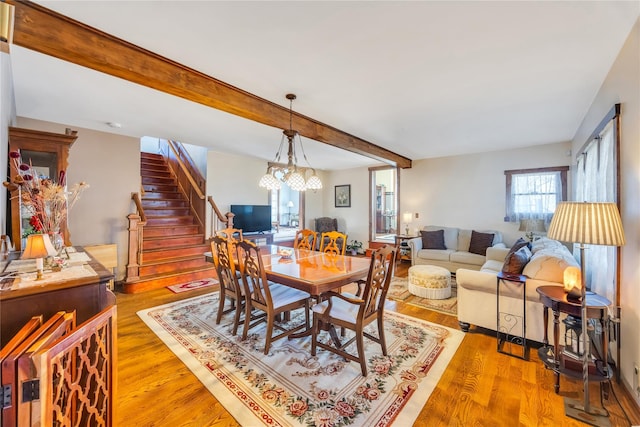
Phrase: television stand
(256, 237)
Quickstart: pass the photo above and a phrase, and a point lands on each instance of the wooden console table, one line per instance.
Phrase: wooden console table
(88, 296)
(555, 298)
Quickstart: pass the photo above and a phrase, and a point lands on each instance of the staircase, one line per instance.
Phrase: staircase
(172, 245)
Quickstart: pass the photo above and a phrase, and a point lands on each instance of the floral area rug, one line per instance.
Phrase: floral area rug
(196, 284)
(398, 291)
(289, 387)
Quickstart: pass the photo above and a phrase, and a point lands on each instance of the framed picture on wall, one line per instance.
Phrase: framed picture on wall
(343, 196)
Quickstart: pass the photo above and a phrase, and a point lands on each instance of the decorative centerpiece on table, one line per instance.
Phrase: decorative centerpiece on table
(47, 201)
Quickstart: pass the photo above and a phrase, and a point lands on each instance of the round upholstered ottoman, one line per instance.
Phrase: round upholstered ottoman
(430, 281)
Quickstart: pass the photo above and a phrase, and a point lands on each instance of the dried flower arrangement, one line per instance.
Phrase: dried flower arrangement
(47, 201)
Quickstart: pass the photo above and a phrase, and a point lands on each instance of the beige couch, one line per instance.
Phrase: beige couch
(477, 289)
(456, 255)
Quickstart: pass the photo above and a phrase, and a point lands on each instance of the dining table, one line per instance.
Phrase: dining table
(310, 271)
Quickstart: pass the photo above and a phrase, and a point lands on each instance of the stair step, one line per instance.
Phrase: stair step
(162, 281)
(168, 211)
(151, 156)
(157, 180)
(149, 167)
(170, 242)
(169, 220)
(162, 195)
(169, 230)
(177, 264)
(168, 254)
(164, 203)
(167, 188)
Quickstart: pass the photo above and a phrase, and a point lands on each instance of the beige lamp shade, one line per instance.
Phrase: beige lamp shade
(587, 223)
(532, 225)
(407, 217)
(38, 246)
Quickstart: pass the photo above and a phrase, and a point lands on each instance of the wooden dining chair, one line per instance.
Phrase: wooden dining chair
(271, 298)
(354, 313)
(333, 242)
(305, 239)
(223, 251)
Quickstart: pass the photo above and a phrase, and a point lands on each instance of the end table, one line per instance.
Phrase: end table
(510, 340)
(555, 298)
(404, 250)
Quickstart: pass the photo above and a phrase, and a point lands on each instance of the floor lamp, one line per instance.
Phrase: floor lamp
(586, 224)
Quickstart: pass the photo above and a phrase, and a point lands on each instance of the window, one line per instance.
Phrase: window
(534, 193)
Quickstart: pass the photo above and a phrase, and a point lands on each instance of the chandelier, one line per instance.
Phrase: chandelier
(291, 174)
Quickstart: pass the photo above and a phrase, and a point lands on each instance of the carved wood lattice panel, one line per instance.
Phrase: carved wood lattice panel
(77, 385)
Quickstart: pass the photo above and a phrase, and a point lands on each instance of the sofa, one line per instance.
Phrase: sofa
(477, 289)
(455, 253)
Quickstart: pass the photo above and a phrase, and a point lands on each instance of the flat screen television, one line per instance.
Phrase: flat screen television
(252, 218)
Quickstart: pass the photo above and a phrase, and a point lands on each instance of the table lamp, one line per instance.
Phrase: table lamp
(407, 217)
(586, 224)
(38, 247)
(531, 226)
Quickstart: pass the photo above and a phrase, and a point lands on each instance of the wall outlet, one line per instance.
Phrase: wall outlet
(636, 380)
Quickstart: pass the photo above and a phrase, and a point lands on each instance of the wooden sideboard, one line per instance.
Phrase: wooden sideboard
(88, 296)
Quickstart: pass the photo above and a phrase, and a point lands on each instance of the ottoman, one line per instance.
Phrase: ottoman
(429, 281)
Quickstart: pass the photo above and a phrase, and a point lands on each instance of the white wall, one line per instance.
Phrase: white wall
(622, 85)
(110, 164)
(354, 221)
(458, 191)
(7, 118)
(233, 180)
(469, 191)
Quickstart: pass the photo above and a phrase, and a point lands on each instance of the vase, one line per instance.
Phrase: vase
(57, 241)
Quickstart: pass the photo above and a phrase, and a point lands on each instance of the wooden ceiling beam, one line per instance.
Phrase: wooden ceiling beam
(48, 32)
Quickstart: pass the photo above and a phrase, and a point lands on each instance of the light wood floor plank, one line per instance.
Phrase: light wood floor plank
(480, 387)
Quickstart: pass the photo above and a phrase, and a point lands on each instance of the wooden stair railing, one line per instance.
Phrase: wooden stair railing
(226, 219)
(137, 221)
(189, 179)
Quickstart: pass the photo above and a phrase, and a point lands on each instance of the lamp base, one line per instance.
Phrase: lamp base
(596, 417)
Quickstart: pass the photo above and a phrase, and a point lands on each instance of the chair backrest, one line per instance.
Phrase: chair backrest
(234, 233)
(305, 239)
(324, 224)
(378, 280)
(223, 252)
(254, 277)
(333, 242)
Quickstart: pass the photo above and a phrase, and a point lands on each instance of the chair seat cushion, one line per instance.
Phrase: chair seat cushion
(283, 295)
(340, 309)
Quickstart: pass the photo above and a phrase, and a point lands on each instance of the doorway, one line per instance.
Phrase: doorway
(383, 212)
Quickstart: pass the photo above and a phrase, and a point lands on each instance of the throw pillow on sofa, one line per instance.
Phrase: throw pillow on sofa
(520, 243)
(515, 261)
(480, 242)
(433, 239)
(549, 264)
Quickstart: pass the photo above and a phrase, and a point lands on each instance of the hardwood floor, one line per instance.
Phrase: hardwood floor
(479, 388)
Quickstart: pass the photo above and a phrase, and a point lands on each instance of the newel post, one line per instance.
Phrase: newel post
(133, 266)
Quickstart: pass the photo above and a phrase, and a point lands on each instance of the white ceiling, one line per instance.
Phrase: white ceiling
(422, 79)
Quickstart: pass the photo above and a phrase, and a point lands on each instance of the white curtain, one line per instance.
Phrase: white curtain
(595, 182)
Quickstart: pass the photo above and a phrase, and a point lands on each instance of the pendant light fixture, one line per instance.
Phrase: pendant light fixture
(291, 174)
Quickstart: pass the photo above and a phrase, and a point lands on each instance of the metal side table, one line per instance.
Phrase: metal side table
(511, 328)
